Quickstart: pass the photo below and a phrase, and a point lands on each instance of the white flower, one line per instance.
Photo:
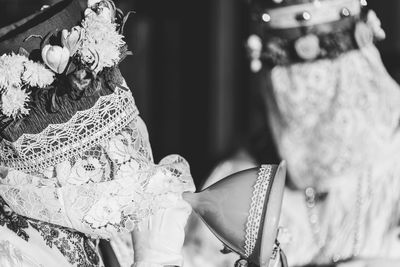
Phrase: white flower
(119, 148)
(81, 172)
(37, 75)
(13, 102)
(17, 72)
(105, 211)
(102, 37)
(107, 10)
(72, 39)
(11, 69)
(105, 13)
(55, 57)
(84, 171)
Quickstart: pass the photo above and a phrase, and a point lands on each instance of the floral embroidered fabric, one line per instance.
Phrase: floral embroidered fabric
(76, 247)
(13, 221)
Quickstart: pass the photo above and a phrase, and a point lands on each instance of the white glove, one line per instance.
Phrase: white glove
(160, 243)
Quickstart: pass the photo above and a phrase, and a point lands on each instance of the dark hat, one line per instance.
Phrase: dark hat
(25, 33)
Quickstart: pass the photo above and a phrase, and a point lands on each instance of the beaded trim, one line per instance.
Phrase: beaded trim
(33, 153)
(307, 14)
(354, 27)
(256, 208)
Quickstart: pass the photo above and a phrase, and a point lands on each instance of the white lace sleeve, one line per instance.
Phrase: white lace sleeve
(108, 189)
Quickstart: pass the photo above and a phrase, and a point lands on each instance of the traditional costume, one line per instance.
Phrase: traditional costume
(76, 162)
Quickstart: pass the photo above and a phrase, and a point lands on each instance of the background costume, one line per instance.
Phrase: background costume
(334, 113)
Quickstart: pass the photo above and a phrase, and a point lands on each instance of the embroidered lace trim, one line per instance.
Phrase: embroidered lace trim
(32, 153)
(256, 208)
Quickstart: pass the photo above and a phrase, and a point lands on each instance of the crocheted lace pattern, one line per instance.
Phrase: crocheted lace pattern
(256, 208)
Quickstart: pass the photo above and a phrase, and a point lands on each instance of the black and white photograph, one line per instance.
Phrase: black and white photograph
(211, 133)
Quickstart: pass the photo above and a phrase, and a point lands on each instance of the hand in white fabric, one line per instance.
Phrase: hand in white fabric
(160, 244)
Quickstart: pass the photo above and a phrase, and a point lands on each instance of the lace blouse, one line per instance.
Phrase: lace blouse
(93, 174)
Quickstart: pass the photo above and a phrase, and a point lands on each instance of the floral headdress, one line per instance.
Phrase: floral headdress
(297, 31)
(77, 57)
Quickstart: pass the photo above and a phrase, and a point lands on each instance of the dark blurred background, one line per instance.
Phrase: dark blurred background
(190, 77)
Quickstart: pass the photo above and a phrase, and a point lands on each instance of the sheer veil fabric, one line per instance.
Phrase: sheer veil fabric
(336, 123)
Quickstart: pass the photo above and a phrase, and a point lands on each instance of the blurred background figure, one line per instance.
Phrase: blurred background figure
(192, 82)
(333, 111)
